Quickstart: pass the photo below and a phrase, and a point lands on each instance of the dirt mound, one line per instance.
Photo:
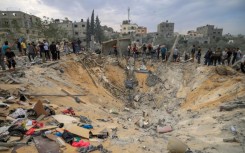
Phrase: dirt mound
(225, 70)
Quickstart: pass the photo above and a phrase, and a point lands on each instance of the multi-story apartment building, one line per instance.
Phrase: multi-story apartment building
(73, 30)
(210, 31)
(165, 29)
(19, 24)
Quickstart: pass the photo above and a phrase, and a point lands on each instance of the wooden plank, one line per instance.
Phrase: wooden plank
(46, 128)
(78, 100)
(50, 95)
(16, 81)
(89, 74)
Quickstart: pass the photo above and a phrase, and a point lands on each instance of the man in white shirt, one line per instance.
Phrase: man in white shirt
(46, 50)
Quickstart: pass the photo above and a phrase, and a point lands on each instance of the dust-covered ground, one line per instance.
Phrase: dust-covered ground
(185, 96)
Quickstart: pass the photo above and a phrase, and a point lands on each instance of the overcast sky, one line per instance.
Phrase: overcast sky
(186, 14)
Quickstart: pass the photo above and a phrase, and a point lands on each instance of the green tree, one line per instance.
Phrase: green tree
(88, 34)
(99, 33)
(92, 27)
(50, 30)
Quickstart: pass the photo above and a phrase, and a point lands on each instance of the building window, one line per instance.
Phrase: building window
(214, 32)
(27, 31)
(4, 14)
(218, 32)
(84, 40)
(75, 26)
(124, 28)
(14, 14)
(76, 33)
(83, 25)
(6, 22)
(84, 32)
(166, 25)
(214, 37)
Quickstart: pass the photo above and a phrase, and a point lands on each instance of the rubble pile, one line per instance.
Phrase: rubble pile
(89, 102)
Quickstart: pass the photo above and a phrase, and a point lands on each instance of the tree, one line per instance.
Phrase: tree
(88, 34)
(99, 34)
(92, 27)
(50, 30)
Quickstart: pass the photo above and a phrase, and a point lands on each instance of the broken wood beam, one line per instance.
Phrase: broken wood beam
(89, 73)
(55, 95)
(232, 105)
(78, 100)
(13, 79)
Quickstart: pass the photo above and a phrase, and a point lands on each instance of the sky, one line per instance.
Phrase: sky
(186, 14)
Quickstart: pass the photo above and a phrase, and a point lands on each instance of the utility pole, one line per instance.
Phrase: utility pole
(129, 14)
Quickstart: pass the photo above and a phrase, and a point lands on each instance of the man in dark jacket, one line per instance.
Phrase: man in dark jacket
(53, 50)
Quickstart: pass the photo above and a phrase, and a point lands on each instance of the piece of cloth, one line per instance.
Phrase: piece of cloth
(87, 126)
(4, 49)
(68, 137)
(19, 113)
(81, 143)
(23, 45)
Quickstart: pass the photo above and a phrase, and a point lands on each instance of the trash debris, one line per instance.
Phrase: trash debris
(164, 129)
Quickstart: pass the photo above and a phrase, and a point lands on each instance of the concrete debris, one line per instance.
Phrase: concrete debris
(224, 70)
(151, 80)
(137, 98)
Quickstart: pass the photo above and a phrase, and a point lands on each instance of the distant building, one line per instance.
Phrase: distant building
(74, 30)
(166, 29)
(20, 24)
(210, 31)
(141, 30)
(128, 28)
(193, 37)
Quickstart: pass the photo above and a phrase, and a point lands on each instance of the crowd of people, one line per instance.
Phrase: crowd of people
(42, 49)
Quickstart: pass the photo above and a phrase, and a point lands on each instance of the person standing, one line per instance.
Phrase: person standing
(129, 49)
(58, 47)
(158, 51)
(31, 51)
(163, 52)
(19, 46)
(234, 52)
(66, 47)
(53, 51)
(229, 54)
(144, 50)
(23, 46)
(10, 58)
(175, 54)
(46, 50)
(42, 52)
(115, 50)
(239, 54)
(193, 51)
(224, 56)
(208, 57)
(199, 54)
(2, 54)
(79, 44)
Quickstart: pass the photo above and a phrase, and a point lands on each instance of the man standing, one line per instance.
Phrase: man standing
(46, 50)
(129, 49)
(199, 54)
(158, 51)
(31, 51)
(10, 58)
(58, 49)
(19, 46)
(42, 51)
(175, 54)
(53, 50)
(193, 50)
(2, 54)
(163, 52)
(23, 46)
(234, 56)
